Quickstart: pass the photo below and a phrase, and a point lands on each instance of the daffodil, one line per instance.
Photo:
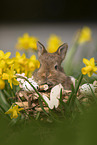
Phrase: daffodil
(27, 42)
(10, 76)
(53, 43)
(31, 65)
(19, 62)
(4, 56)
(4, 60)
(14, 111)
(2, 84)
(90, 67)
(2, 66)
(85, 35)
(20, 58)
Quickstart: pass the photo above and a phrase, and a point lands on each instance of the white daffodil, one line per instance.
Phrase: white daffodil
(54, 97)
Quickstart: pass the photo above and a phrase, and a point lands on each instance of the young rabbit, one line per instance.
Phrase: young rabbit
(50, 71)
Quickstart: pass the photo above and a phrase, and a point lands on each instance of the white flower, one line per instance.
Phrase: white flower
(27, 86)
(20, 80)
(54, 97)
(85, 89)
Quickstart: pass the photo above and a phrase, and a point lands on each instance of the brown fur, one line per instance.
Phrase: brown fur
(47, 74)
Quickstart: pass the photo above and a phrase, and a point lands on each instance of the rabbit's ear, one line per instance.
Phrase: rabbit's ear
(41, 49)
(62, 50)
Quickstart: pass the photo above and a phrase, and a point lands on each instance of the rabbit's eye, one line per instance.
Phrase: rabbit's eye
(56, 67)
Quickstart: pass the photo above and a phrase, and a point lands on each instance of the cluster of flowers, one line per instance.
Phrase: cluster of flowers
(19, 64)
(30, 42)
(89, 69)
(83, 35)
(27, 42)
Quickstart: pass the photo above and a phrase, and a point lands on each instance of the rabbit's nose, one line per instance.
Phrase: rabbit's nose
(43, 75)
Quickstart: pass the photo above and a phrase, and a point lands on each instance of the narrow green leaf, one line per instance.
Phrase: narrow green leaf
(78, 83)
(3, 102)
(95, 98)
(41, 105)
(37, 116)
(6, 93)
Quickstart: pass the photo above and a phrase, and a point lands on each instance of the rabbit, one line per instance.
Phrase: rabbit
(50, 71)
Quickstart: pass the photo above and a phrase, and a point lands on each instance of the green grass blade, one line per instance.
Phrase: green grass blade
(3, 102)
(95, 98)
(41, 105)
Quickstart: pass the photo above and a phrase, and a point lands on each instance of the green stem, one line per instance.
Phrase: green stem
(78, 83)
(74, 92)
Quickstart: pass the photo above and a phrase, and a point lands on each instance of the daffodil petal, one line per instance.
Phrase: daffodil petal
(26, 35)
(5, 76)
(95, 69)
(1, 54)
(10, 61)
(23, 55)
(15, 82)
(0, 71)
(90, 74)
(92, 62)
(9, 111)
(15, 115)
(33, 57)
(2, 63)
(15, 107)
(6, 55)
(17, 54)
(20, 109)
(86, 61)
(86, 69)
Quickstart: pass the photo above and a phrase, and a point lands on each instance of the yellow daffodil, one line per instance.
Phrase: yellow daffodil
(2, 66)
(31, 65)
(35, 62)
(20, 58)
(4, 56)
(53, 43)
(90, 67)
(2, 84)
(27, 42)
(5, 61)
(14, 111)
(20, 62)
(85, 35)
(10, 76)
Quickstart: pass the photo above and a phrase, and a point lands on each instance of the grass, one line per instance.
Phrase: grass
(81, 130)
